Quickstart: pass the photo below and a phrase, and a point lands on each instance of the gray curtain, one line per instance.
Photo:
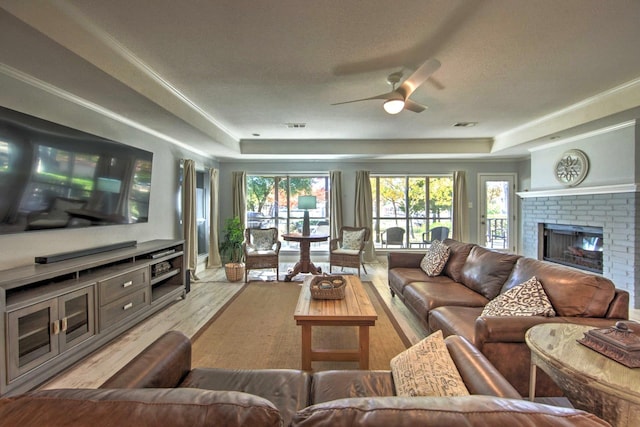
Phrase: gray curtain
(335, 201)
(364, 211)
(189, 223)
(214, 254)
(460, 224)
(239, 192)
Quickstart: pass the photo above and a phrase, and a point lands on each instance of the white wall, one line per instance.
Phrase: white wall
(612, 158)
(21, 249)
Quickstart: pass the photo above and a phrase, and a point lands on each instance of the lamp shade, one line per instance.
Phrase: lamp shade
(393, 106)
(306, 202)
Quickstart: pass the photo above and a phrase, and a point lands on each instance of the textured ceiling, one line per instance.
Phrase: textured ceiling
(227, 76)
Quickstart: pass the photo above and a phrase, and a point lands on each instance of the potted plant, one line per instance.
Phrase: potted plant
(231, 249)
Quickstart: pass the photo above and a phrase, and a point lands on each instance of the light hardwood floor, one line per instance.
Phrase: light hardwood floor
(208, 295)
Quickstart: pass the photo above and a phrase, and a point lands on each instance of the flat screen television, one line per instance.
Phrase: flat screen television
(53, 177)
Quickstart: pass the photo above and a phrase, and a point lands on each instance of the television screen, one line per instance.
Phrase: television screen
(53, 177)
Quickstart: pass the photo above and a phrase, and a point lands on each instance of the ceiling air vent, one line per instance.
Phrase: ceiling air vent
(465, 124)
(296, 125)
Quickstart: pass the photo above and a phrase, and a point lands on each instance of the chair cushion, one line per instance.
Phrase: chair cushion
(572, 292)
(255, 251)
(525, 299)
(426, 369)
(458, 253)
(435, 258)
(352, 239)
(346, 251)
(262, 239)
(485, 271)
(339, 384)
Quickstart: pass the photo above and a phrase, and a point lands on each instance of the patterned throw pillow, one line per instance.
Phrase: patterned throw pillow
(426, 369)
(435, 259)
(262, 239)
(526, 299)
(352, 239)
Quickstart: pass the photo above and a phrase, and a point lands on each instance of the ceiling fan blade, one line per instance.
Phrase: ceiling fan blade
(387, 95)
(414, 106)
(418, 77)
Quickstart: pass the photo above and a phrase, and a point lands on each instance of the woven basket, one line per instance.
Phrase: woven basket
(234, 271)
(327, 287)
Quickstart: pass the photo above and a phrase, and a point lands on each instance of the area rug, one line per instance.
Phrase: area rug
(256, 330)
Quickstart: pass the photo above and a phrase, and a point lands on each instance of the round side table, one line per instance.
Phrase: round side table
(591, 381)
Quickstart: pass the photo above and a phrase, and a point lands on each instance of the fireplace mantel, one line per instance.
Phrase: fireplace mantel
(578, 191)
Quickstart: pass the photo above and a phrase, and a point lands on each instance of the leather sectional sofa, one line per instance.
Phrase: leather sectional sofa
(159, 387)
(454, 300)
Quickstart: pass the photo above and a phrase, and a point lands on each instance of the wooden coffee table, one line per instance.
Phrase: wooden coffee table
(354, 310)
(589, 380)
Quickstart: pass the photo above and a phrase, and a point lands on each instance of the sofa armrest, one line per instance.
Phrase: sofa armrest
(176, 407)
(478, 374)
(619, 307)
(164, 363)
(441, 411)
(404, 259)
(501, 329)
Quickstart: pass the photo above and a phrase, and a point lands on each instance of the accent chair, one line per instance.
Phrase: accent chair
(393, 236)
(261, 249)
(436, 233)
(346, 250)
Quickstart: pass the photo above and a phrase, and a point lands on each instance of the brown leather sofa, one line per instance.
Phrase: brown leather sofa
(159, 387)
(453, 302)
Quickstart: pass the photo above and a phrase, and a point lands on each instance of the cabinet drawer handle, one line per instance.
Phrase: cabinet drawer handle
(55, 327)
(127, 306)
(127, 284)
(65, 324)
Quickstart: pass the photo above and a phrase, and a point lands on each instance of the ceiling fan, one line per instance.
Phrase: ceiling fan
(398, 99)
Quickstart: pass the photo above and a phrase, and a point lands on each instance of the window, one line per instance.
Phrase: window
(272, 201)
(59, 173)
(406, 208)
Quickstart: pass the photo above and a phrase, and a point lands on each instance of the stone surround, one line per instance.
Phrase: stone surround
(617, 214)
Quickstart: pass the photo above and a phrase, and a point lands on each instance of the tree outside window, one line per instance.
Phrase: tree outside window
(272, 201)
(416, 204)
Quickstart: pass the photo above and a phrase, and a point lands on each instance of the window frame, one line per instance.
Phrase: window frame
(291, 222)
(405, 221)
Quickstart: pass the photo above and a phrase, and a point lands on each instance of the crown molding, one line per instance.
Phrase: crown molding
(580, 191)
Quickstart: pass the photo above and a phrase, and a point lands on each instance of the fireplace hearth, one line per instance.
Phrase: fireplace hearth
(573, 245)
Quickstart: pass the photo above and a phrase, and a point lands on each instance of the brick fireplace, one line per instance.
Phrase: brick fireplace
(612, 209)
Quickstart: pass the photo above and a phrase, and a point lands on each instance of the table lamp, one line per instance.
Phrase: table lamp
(306, 203)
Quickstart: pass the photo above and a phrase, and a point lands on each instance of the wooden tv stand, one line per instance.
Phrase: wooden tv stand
(55, 314)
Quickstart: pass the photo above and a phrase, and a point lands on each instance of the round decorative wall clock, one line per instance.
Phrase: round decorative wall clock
(572, 167)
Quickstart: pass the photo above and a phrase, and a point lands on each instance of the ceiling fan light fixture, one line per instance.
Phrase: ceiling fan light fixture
(393, 106)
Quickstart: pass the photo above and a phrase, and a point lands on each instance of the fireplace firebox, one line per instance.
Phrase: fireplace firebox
(573, 245)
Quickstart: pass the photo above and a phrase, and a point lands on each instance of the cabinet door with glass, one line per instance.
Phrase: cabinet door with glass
(32, 336)
(77, 322)
(43, 330)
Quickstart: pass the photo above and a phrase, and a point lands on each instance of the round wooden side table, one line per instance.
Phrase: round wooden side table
(304, 264)
(591, 381)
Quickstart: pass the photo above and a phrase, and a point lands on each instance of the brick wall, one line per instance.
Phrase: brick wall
(616, 213)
